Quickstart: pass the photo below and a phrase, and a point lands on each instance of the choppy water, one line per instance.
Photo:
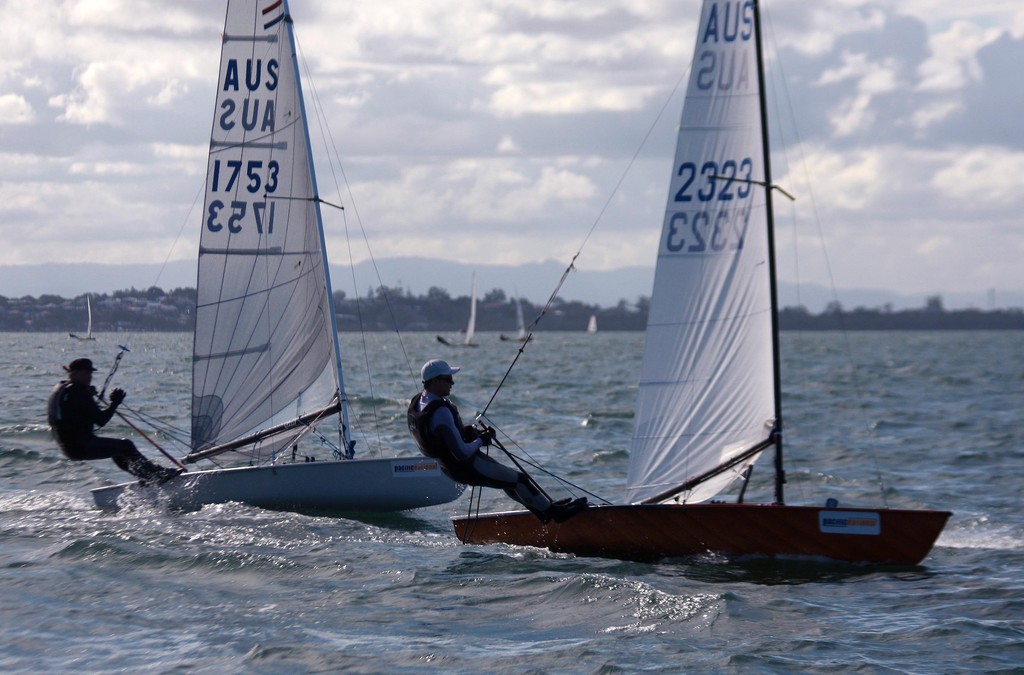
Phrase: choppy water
(237, 589)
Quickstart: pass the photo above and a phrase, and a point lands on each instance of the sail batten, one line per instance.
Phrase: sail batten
(250, 252)
(706, 382)
(255, 145)
(250, 38)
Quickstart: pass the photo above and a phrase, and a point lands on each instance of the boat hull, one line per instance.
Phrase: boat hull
(652, 532)
(355, 485)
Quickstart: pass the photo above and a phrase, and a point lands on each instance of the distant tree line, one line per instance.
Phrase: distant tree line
(388, 309)
(933, 316)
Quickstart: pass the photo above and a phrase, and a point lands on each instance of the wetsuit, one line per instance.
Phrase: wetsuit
(440, 434)
(72, 412)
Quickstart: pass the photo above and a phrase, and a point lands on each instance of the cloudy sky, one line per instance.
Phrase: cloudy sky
(497, 131)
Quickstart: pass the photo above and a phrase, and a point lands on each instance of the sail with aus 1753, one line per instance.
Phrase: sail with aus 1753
(266, 362)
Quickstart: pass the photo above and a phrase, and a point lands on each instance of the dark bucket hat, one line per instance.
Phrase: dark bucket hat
(80, 364)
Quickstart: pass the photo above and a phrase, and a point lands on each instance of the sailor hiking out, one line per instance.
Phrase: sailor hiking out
(436, 426)
(73, 413)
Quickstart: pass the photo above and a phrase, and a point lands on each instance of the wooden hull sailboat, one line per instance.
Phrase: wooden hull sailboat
(709, 402)
(266, 361)
(655, 531)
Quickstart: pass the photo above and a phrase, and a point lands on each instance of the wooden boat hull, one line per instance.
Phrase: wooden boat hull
(354, 485)
(652, 532)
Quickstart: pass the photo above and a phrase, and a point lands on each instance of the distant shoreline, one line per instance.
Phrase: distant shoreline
(534, 281)
(154, 310)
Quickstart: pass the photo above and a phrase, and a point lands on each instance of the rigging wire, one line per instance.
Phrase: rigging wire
(816, 219)
(590, 232)
(569, 485)
(124, 348)
(337, 167)
(530, 461)
(565, 274)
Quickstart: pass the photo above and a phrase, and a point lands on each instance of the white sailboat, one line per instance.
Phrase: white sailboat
(266, 364)
(88, 326)
(521, 334)
(709, 402)
(592, 324)
(470, 336)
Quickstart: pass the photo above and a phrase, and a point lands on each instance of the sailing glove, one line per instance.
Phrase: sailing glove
(116, 396)
(487, 436)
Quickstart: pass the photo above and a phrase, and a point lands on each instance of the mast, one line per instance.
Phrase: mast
(780, 474)
(346, 440)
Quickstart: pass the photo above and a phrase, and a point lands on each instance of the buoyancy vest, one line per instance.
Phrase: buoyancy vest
(433, 446)
(72, 414)
(65, 430)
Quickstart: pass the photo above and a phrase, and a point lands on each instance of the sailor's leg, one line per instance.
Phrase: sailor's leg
(516, 485)
(127, 457)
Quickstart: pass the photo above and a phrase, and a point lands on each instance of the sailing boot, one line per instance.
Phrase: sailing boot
(564, 509)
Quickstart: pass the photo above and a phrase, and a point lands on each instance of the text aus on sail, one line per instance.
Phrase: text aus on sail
(246, 174)
(712, 198)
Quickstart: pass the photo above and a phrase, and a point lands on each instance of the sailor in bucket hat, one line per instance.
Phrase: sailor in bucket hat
(73, 413)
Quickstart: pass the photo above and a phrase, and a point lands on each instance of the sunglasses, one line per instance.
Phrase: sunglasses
(446, 378)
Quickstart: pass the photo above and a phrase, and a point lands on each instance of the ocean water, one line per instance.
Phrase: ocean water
(905, 419)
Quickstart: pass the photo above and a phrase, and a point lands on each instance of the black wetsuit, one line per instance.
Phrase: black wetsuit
(72, 413)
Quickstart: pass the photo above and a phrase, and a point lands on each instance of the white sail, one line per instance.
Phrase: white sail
(88, 309)
(265, 348)
(592, 324)
(88, 325)
(471, 326)
(520, 322)
(266, 360)
(706, 385)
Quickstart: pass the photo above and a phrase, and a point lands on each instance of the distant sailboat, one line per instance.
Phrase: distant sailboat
(709, 401)
(470, 325)
(266, 361)
(88, 328)
(521, 335)
(592, 324)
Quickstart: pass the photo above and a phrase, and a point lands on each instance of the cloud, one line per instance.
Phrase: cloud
(14, 109)
(953, 60)
(991, 97)
(986, 177)
(500, 129)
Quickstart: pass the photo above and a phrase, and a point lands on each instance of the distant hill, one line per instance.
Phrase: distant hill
(533, 281)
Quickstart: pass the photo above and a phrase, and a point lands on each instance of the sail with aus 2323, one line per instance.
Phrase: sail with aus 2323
(707, 379)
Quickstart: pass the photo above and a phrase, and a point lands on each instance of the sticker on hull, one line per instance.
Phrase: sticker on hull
(407, 469)
(849, 522)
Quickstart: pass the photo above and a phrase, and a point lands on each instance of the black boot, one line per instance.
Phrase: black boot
(564, 509)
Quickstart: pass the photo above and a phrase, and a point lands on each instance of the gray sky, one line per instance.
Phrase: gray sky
(496, 131)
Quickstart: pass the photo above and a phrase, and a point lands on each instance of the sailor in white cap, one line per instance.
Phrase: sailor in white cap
(435, 423)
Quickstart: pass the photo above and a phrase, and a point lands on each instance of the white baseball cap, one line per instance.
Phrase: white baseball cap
(436, 368)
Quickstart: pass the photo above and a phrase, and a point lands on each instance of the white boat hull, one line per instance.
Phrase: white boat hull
(354, 485)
